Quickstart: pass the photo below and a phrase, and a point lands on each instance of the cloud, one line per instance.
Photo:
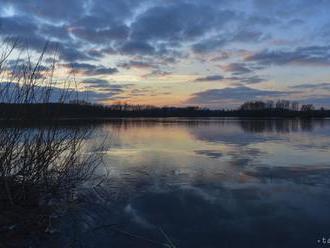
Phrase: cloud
(102, 36)
(223, 56)
(110, 92)
(289, 9)
(90, 70)
(20, 68)
(141, 92)
(99, 90)
(242, 79)
(57, 33)
(94, 90)
(54, 10)
(209, 78)
(136, 47)
(179, 21)
(22, 26)
(220, 40)
(209, 44)
(157, 73)
(137, 64)
(252, 80)
(158, 35)
(168, 27)
(33, 35)
(232, 96)
(143, 27)
(236, 68)
(311, 86)
(310, 55)
(73, 10)
(70, 54)
(104, 85)
(249, 36)
(247, 79)
(320, 101)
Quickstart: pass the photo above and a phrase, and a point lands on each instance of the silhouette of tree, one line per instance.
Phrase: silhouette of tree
(38, 163)
(307, 107)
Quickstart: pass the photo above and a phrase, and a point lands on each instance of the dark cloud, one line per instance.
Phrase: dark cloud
(261, 20)
(51, 10)
(90, 70)
(179, 21)
(21, 68)
(142, 27)
(102, 71)
(98, 90)
(291, 8)
(137, 64)
(242, 79)
(311, 55)
(14, 92)
(158, 34)
(104, 85)
(69, 54)
(96, 83)
(252, 80)
(209, 44)
(137, 48)
(132, 27)
(102, 36)
(248, 79)
(249, 36)
(157, 73)
(209, 78)
(115, 11)
(237, 95)
(141, 92)
(21, 26)
(32, 35)
(311, 86)
(296, 22)
(77, 10)
(58, 33)
(216, 42)
(236, 68)
(320, 101)
(223, 56)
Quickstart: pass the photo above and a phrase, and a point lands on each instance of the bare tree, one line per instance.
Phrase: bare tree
(295, 106)
(307, 107)
(38, 162)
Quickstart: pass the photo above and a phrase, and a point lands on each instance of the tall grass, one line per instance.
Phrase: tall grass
(38, 163)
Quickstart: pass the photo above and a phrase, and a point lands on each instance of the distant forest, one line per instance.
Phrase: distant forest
(88, 111)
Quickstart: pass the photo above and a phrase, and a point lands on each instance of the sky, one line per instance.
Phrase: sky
(210, 53)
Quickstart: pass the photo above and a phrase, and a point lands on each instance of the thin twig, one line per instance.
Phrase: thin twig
(167, 238)
(132, 235)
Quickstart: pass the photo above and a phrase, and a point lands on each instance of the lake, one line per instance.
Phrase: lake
(209, 183)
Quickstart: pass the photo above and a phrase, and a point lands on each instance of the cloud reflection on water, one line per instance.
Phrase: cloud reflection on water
(219, 182)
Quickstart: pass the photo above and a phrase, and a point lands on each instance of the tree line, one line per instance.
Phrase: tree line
(78, 110)
(278, 105)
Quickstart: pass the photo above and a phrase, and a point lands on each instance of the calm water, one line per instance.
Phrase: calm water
(211, 183)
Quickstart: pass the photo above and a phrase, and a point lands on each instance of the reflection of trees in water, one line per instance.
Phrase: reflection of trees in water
(279, 125)
(283, 125)
(127, 123)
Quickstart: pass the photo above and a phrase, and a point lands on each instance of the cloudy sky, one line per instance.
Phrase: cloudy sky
(213, 53)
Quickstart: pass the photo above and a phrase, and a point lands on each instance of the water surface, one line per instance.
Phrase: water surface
(212, 183)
